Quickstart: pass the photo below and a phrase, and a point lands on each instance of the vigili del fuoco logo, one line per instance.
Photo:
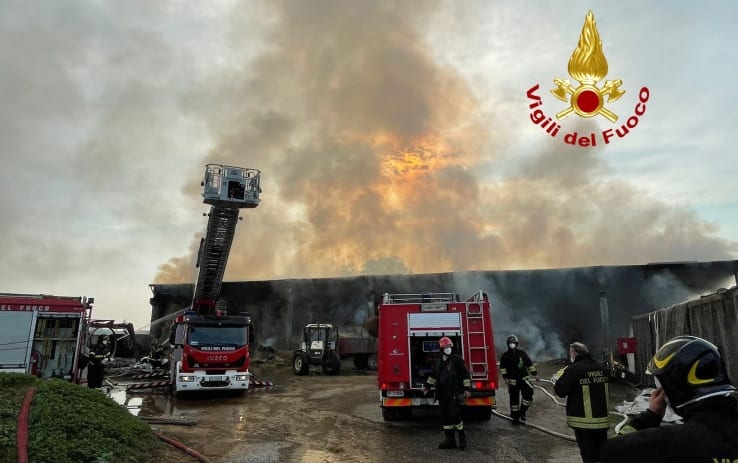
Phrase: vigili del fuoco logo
(586, 98)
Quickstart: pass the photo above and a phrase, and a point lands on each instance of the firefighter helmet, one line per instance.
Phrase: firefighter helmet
(512, 339)
(690, 369)
(445, 342)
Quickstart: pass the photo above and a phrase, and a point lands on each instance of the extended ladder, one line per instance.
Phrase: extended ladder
(214, 252)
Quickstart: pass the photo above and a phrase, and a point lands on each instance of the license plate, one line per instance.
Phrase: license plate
(214, 379)
(395, 394)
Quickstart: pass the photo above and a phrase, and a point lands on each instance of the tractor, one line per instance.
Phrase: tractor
(319, 348)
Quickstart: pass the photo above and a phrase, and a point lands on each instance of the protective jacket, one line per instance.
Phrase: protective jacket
(585, 385)
(515, 366)
(450, 377)
(98, 353)
(709, 435)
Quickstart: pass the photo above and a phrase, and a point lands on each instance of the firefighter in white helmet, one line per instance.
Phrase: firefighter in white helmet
(451, 380)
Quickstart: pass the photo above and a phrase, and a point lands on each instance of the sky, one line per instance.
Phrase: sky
(392, 137)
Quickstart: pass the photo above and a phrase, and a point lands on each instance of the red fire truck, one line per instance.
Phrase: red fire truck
(43, 335)
(410, 326)
(210, 348)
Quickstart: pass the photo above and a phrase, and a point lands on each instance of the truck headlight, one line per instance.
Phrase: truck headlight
(242, 377)
(187, 379)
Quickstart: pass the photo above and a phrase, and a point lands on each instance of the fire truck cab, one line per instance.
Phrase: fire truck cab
(410, 326)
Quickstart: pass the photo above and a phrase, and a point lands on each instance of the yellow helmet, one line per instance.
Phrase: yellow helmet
(690, 369)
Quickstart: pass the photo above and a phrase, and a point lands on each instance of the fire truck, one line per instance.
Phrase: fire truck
(409, 328)
(210, 348)
(43, 335)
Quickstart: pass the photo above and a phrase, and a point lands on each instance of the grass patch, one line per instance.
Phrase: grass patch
(69, 423)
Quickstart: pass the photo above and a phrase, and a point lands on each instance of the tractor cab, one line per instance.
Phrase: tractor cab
(319, 347)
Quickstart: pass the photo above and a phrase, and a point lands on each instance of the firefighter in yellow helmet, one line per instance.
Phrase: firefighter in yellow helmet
(691, 378)
(452, 382)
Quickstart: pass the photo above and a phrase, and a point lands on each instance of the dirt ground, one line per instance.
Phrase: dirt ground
(327, 419)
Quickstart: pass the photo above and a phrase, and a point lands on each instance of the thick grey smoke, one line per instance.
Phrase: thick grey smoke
(376, 158)
(371, 155)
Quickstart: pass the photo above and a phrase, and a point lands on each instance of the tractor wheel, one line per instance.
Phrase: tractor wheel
(333, 365)
(371, 362)
(300, 363)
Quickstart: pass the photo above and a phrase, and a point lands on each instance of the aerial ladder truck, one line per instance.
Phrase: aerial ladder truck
(210, 348)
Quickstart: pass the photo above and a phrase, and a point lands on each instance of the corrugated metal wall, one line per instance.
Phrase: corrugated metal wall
(713, 317)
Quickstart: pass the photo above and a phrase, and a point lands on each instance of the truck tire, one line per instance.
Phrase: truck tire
(371, 362)
(361, 362)
(389, 414)
(300, 363)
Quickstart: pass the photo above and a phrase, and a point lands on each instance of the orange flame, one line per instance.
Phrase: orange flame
(587, 63)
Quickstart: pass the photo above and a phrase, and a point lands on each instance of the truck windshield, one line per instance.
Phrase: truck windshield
(199, 336)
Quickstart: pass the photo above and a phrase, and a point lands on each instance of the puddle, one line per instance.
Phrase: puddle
(133, 404)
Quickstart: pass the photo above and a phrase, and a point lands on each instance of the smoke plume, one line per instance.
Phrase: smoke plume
(372, 158)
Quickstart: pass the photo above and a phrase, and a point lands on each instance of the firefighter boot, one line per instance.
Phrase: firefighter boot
(462, 439)
(523, 409)
(448, 442)
(515, 417)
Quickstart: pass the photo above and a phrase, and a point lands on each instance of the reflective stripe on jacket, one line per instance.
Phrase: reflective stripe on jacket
(450, 377)
(515, 364)
(584, 383)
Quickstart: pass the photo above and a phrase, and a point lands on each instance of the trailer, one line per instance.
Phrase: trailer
(43, 335)
(409, 328)
(362, 349)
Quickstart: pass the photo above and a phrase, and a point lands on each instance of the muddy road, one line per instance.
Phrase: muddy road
(327, 419)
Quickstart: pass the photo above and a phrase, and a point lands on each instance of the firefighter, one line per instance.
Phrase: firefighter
(584, 384)
(691, 378)
(96, 368)
(451, 380)
(516, 368)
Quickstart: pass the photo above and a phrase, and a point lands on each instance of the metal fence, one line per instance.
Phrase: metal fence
(713, 317)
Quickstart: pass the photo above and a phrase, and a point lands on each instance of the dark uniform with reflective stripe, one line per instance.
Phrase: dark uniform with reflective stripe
(584, 383)
(515, 367)
(709, 434)
(450, 378)
(96, 367)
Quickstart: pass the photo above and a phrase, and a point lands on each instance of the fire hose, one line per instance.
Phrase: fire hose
(22, 432)
(618, 427)
(182, 447)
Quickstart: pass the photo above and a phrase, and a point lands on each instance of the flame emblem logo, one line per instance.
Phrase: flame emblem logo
(588, 66)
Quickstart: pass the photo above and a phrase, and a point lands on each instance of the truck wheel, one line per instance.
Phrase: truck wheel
(371, 362)
(300, 363)
(389, 414)
(361, 362)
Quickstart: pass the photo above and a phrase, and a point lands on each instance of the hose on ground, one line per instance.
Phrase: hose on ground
(22, 432)
(182, 447)
(556, 401)
(540, 428)
(620, 425)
